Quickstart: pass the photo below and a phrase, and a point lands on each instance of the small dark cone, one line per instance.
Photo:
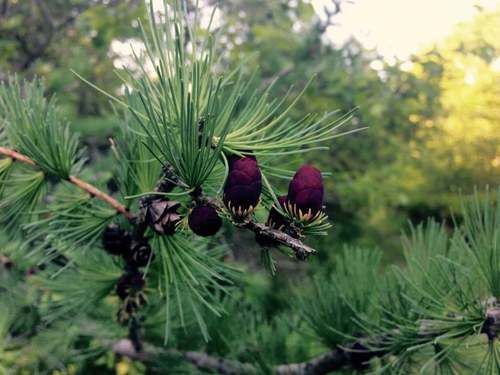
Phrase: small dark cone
(275, 219)
(161, 215)
(139, 255)
(130, 283)
(305, 192)
(116, 240)
(32, 271)
(6, 262)
(204, 221)
(243, 185)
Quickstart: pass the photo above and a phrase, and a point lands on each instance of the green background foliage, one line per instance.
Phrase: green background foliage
(430, 138)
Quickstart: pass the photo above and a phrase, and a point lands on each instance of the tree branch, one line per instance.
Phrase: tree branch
(16, 156)
(323, 364)
(301, 250)
(354, 355)
(200, 360)
(95, 192)
(91, 189)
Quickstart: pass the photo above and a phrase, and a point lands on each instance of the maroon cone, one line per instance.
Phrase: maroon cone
(243, 184)
(204, 221)
(306, 190)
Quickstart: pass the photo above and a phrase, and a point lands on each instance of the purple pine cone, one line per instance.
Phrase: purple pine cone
(243, 185)
(305, 192)
(204, 221)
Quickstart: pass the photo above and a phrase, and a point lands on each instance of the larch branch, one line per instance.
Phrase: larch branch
(301, 250)
(354, 355)
(91, 189)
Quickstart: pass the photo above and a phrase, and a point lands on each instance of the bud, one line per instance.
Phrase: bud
(243, 185)
(140, 254)
(305, 193)
(204, 221)
(130, 283)
(161, 215)
(116, 240)
(275, 219)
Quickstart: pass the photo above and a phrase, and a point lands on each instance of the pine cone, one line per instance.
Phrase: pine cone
(130, 283)
(32, 271)
(305, 193)
(139, 254)
(204, 221)
(243, 185)
(6, 262)
(116, 240)
(161, 215)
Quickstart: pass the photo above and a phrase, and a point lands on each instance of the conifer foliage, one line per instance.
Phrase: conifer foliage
(84, 273)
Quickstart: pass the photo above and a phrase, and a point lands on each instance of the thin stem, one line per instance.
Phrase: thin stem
(16, 155)
(301, 250)
(95, 192)
(91, 189)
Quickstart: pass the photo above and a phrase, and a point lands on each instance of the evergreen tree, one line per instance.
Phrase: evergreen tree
(88, 278)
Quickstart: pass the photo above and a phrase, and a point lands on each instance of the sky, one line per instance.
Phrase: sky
(395, 28)
(398, 28)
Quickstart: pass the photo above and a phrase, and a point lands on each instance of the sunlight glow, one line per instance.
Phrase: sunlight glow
(398, 28)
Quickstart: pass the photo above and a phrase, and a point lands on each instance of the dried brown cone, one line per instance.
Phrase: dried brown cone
(129, 289)
(161, 215)
(116, 240)
(140, 254)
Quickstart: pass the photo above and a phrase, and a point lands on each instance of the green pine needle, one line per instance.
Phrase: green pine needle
(190, 280)
(35, 128)
(22, 192)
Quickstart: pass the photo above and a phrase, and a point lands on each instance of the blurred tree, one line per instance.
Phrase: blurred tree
(411, 161)
(370, 169)
(49, 38)
(462, 148)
